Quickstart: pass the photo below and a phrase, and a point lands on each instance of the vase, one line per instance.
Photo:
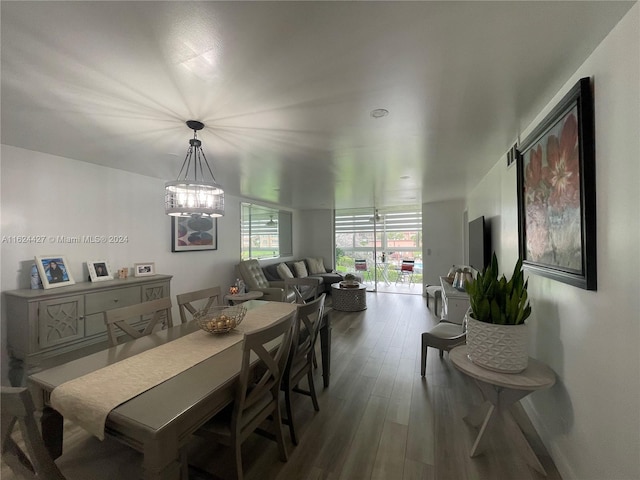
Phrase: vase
(501, 348)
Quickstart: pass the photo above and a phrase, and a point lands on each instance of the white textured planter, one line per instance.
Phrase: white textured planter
(501, 348)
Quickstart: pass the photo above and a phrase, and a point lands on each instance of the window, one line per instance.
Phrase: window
(265, 232)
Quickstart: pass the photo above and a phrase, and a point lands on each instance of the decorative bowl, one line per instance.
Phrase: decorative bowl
(220, 318)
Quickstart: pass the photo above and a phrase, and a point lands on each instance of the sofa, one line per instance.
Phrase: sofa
(269, 279)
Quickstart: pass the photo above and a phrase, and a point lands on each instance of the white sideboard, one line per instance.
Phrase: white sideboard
(455, 303)
(49, 327)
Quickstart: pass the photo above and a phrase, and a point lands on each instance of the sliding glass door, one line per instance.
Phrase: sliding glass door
(372, 244)
(356, 244)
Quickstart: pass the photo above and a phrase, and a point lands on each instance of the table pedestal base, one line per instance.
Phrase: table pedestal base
(497, 407)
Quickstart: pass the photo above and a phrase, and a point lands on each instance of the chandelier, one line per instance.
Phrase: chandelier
(192, 195)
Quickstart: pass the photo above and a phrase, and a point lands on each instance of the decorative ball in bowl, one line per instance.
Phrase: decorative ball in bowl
(220, 318)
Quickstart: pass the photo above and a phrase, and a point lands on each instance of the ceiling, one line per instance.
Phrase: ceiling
(286, 89)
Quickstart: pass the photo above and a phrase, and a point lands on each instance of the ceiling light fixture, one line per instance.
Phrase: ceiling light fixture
(271, 223)
(379, 113)
(195, 196)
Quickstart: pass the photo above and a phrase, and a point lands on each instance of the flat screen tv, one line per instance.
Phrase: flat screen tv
(479, 244)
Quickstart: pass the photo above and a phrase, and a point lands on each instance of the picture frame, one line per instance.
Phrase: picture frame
(54, 271)
(99, 270)
(144, 269)
(190, 234)
(556, 190)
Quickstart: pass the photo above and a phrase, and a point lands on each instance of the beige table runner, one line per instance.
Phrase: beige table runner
(87, 400)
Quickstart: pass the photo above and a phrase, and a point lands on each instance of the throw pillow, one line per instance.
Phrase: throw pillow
(316, 265)
(284, 271)
(301, 269)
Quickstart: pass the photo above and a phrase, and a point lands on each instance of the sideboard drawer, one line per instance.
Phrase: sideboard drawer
(116, 298)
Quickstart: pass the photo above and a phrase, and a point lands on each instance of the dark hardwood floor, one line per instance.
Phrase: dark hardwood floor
(379, 419)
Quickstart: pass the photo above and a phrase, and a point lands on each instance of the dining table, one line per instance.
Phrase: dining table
(160, 420)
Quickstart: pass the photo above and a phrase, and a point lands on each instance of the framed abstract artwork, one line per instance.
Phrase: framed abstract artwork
(557, 194)
(190, 234)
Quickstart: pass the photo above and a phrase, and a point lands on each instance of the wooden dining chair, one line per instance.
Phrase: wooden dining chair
(301, 358)
(34, 463)
(156, 311)
(85, 457)
(256, 399)
(304, 289)
(212, 295)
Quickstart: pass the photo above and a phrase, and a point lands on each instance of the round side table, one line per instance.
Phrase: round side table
(501, 391)
(349, 299)
(243, 297)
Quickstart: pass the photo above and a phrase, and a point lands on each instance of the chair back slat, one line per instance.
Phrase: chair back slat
(361, 265)
(117, 319)
(186, 301)
(305, 289)
(407, 265)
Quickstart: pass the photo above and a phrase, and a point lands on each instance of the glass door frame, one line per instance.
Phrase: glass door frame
(371, 252)
(397, 235)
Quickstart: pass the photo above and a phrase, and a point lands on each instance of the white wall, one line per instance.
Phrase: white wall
(590, 420)
(317, 235)
(50, 196)
(442, 238)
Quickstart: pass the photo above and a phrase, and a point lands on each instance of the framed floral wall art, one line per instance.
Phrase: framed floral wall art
(556, 193)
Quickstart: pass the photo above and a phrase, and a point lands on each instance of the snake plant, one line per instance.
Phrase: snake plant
(496, 300)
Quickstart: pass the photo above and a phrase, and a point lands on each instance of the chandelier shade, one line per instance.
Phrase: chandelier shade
(193, 194)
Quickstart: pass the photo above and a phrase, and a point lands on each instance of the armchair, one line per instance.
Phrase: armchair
(254, 278)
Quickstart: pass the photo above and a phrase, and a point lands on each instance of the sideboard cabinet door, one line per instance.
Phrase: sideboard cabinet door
(155, 291)
(60, 320)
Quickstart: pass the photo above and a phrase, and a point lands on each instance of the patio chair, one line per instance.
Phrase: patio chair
(406, 270)
(361, 266)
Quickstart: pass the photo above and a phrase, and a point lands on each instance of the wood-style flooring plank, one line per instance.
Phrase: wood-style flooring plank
(358, 462)
(389, 460)
(378, 419)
